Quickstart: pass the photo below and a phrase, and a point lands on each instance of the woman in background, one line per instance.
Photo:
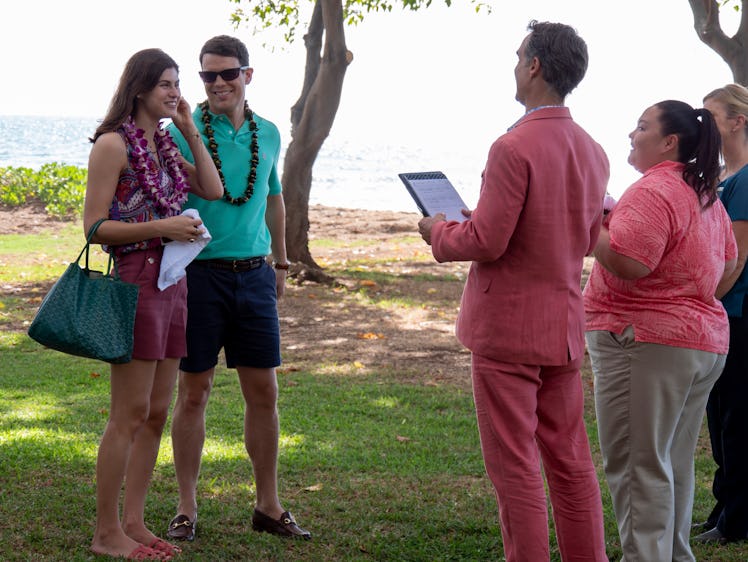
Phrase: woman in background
(656, 334)
(138, 181)
(726, 410)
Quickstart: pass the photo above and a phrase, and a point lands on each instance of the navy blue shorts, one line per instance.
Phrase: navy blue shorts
(234, 310)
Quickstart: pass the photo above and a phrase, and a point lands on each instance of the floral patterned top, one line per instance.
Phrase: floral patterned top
(131, 203)
(660, 223)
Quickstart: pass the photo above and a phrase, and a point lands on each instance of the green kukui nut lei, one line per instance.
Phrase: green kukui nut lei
(213, 147)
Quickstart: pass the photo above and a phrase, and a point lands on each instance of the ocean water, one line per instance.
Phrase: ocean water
(349, 172)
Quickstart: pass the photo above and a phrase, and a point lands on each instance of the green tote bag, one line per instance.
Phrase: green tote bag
(88, 313)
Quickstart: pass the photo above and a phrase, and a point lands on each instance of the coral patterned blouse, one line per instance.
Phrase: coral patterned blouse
(660, 223)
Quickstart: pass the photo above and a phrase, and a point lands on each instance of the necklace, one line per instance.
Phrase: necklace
(213, 147)
(518, 121)
(149, 174)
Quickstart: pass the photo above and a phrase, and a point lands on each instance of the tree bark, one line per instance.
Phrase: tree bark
(733, 50)
(312, 117)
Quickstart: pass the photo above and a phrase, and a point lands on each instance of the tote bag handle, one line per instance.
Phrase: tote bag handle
(85, 249)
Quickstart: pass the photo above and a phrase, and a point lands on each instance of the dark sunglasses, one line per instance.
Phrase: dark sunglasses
(208, 76)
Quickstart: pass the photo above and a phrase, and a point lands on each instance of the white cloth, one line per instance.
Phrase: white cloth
(608, 203)
(178, 255)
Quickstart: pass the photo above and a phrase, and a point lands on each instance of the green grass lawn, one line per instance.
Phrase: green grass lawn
(375, 467)
(375, 471)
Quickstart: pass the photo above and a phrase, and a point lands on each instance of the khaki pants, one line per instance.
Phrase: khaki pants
(650, 401)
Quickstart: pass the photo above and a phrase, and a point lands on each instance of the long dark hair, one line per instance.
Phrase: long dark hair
(698, 146)
(141, 74)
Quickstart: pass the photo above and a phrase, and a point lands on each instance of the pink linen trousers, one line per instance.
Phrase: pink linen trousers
(522, 317)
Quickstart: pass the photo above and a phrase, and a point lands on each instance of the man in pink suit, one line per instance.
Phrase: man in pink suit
(522, 315)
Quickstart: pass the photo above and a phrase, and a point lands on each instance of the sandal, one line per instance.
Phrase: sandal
(140, 552)
(160, 545)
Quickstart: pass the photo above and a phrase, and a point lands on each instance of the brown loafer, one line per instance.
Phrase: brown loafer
(181, 528)
(285, 526)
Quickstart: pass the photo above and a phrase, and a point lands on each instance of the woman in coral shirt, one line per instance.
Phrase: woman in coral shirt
(656, 333)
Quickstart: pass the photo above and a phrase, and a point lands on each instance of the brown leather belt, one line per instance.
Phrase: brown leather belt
(233, 265)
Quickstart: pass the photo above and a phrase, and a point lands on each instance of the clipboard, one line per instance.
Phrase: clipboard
(433, 193)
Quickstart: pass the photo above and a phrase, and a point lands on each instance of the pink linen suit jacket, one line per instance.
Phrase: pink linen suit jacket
(537, 217)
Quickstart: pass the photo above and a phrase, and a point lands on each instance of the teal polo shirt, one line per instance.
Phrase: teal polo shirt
(237, 232)
(734, 196)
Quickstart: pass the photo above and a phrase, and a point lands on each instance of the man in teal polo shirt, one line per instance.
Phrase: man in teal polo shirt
(232, 290)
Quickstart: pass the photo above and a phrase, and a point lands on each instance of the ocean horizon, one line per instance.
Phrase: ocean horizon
(348, 173)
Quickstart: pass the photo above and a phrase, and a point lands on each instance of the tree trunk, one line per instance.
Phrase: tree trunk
(733, 50)
(312, 117)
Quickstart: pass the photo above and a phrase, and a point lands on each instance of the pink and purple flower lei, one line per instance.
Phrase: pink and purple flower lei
(148, 172)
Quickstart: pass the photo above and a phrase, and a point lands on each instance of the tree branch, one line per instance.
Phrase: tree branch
(323, 98)
(707, 26)
(743, 27)
(313, 44)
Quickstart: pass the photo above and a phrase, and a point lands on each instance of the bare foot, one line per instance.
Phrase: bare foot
(137, 552)
(142, 535)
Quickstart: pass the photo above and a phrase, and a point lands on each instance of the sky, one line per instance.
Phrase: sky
(440, 79)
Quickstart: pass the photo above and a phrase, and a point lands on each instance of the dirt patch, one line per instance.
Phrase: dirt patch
(28, 219)
(393, 311)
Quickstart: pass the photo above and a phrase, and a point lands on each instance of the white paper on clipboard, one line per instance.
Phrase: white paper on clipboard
(433, 193)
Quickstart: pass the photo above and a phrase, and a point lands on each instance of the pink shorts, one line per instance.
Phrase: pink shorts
(161, 316)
